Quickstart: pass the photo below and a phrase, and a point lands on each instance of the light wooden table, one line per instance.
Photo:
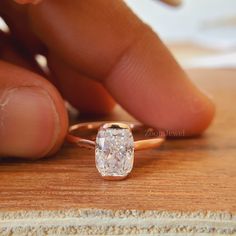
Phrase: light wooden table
(187, 186)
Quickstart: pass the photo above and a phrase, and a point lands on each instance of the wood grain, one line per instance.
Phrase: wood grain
(184, 175)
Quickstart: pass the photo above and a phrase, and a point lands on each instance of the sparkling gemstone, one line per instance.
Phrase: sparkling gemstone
(114, 152)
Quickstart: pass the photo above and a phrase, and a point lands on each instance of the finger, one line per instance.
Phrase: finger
(16, 17)
(97, 101)
(11, 52)
(33, 119)
(104, 40)
(169, 2)
(89, 96)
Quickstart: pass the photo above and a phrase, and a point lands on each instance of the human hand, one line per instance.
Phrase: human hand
(92, 47)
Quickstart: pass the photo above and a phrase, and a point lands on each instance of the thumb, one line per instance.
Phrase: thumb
(33, 119)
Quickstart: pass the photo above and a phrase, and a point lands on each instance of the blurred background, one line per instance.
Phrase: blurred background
(201, 33)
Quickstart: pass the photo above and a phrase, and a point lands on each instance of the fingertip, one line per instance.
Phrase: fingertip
(63, 121)
(150, 84)
(201, 117)
(31, 126)
(33, 118)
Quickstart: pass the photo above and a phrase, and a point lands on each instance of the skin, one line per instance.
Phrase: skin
(99, 53)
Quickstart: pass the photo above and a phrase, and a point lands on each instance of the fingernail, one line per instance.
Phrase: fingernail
(174, 3)
(29, 122)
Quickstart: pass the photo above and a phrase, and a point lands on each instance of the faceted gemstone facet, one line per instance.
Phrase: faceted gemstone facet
(114, 152)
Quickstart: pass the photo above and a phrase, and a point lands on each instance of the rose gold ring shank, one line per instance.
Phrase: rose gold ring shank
(90, 144)
(114, 145)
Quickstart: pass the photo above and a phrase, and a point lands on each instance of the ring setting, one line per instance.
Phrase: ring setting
(114, 152)
(114, 146)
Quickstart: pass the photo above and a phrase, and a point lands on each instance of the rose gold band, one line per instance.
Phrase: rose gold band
(90, 144)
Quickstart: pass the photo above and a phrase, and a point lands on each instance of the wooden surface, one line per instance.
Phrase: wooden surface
(184, 175)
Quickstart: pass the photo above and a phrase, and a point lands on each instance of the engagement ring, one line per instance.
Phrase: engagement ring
(114, 145)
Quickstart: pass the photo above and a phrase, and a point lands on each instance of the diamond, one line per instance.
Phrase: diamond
(114, 152)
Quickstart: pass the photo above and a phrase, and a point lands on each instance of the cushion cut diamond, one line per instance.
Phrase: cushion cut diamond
(114, 152)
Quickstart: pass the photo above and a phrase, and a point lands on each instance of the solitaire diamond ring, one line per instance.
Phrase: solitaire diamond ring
(114, 145)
